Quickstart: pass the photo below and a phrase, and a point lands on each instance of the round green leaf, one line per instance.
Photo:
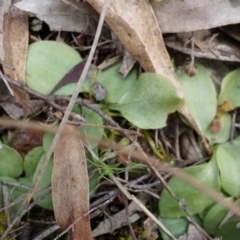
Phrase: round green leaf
(214, 217)
(47, 141)
(7, 179)
(150, 101)
(31, 160)
(17, 192)
(11, 163)
(46, 202)
(196, 200)
(229, 231)
(230, 88)
(223, 134)
(115, 85)
(94, 132)
(14, 193)
(229, 165)
(47, 63)
(205, 211)
(177, 226)
(200, 96)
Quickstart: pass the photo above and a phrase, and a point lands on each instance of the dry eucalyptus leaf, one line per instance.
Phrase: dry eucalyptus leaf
(57, 14)
(120, 219)
(70, 188)
(191, 15)
(4, 6)
(136, 26)
(15, 111)
(82, 6)
(15, 44)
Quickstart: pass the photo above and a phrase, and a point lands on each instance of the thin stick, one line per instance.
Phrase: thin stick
(47, 232)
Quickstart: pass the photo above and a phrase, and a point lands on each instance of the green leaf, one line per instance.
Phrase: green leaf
(200, 96)
(150, 101)
(46, 178)
(14, 193)
(31, 160)
(229, 231)
(223, 133)
(47, 63)
(47, 141)
(17, 192)
(229, 165)
(177, 226)
(214, 217)
(196, 200)
(115, 85)
(205, 211)
(11, 163)
(230, 89)
(95, 133)
(7, 179)
(94, 180)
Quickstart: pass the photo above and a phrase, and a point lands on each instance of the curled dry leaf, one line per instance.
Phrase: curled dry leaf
(15, 44)
(70, 189)
(3, 9)
(136, 26)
